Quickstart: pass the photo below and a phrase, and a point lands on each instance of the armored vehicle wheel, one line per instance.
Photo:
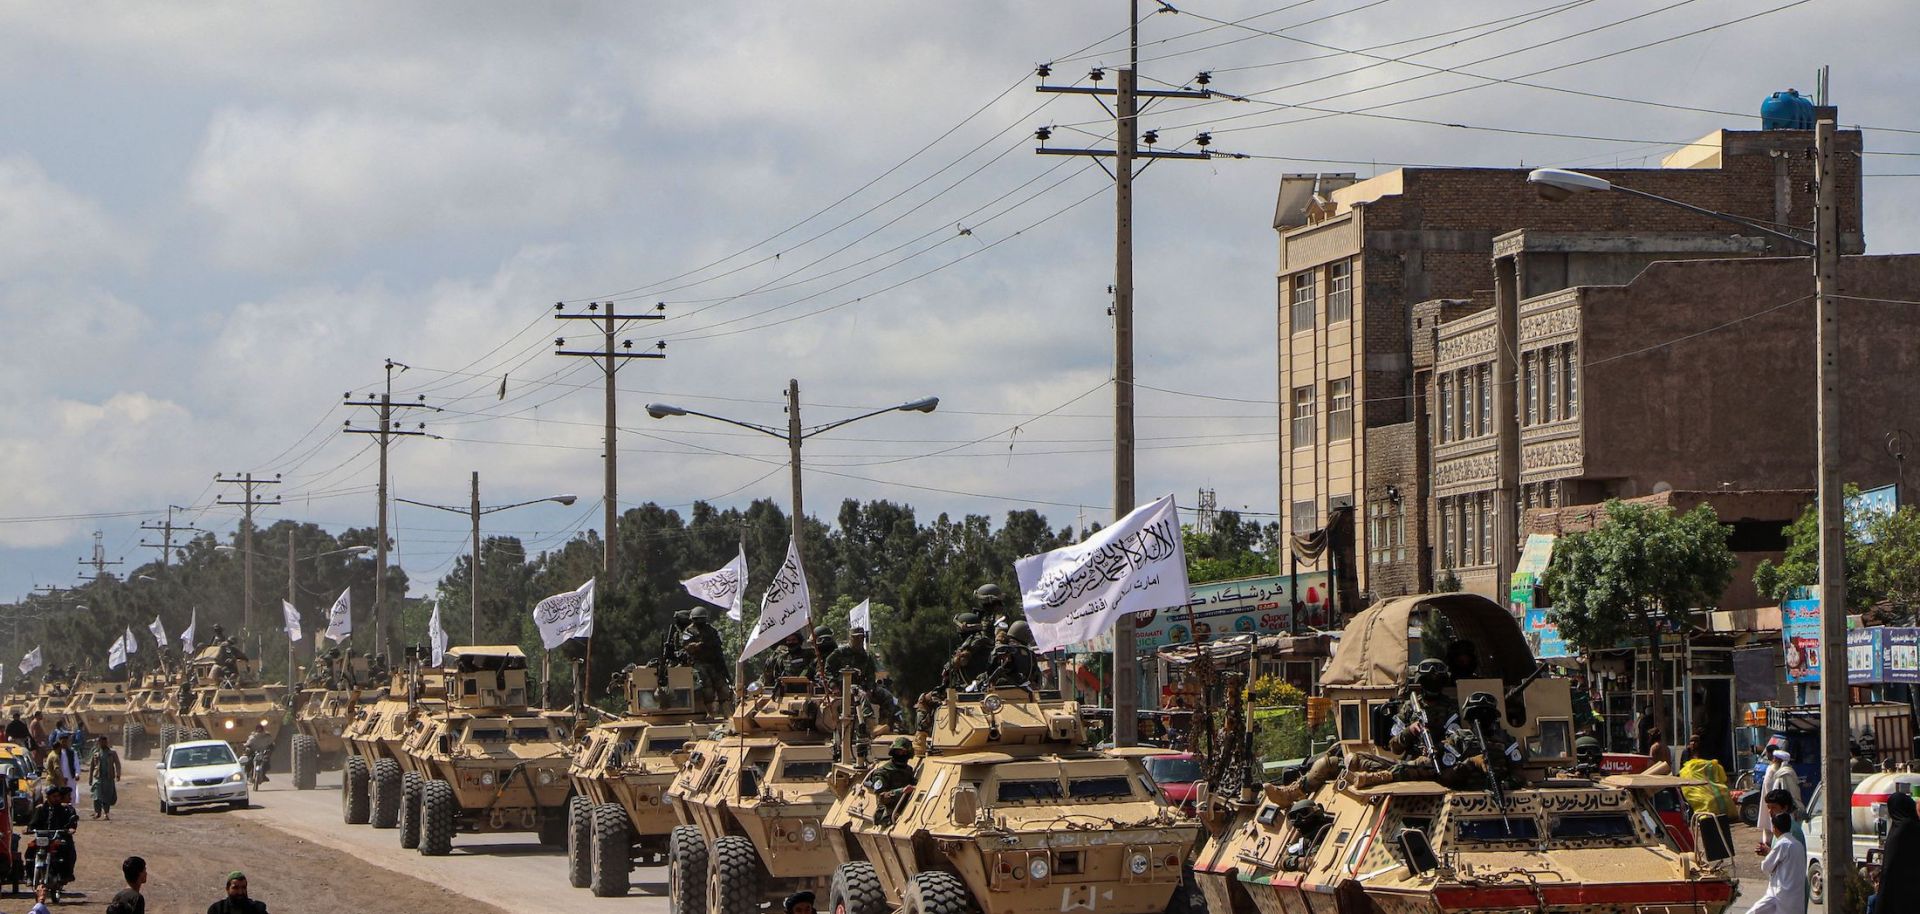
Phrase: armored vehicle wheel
(735, 884)
(436, 819)
(410, 810)
(306, 762)
(856, 890)
(199, 733)
(353, 791)
(130, 740)
(579, 841)
(612, 851)
(686, 871)
(937, 893)
(166, 736)
(384, 790)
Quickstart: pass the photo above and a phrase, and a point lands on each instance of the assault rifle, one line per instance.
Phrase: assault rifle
(1495, 789)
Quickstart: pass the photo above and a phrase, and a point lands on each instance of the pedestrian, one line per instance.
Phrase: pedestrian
(103, 779)
(1774, 803)
(62, 764)
(1781, 776)
(1786, 869)
(1657, 746)
(798, 903)
(17, 732)
(129, 900)
(1710, 796)
(1899, 859)
(237, 901)
(37, 732)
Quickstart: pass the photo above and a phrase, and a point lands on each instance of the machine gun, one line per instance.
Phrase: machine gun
(1515, 705)
(1426, 734)
(1495, 789)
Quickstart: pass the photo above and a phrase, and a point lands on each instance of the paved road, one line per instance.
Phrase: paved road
(513, 871)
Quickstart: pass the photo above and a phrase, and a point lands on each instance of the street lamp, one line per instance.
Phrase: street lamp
(794, 435)
(473, 510)
(1824, 243)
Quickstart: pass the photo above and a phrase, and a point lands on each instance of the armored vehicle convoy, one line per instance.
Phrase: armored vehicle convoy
(371, 775)
(619, 812)
(226, 700)
(102, 708)
(1456, 792)
(150, 713)
(486, 761)
(1008, 812)
(334, 687)
(750, 800)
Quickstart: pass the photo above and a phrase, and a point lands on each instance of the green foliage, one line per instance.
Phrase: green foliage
(1446, 582)
(1280, 728)
(1231, 548)
(1274, 692)
(1892, 563)
(1641, 568)
(1799, 566)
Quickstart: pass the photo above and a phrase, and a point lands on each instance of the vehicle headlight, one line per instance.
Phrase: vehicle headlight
(228, 725)
(1037, 868)
(336, 731)
(546, 777)
(235, 778)
(992, 703)
(809, 833)
(263, 722)
(176, 782)
(1138, 864)
(486, 779)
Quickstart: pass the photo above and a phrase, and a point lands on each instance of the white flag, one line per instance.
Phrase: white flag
(186, 637)
(1077, 592)
(785, 609)
(30, 662)
(159, 633)
(565, 616)
(122, 646)
(340, 617)
(860, 618)
(437, 635)
(133, 645)
(292, 618)
(726, 587)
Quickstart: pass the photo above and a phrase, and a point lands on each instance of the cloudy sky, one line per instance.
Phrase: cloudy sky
(215, 218)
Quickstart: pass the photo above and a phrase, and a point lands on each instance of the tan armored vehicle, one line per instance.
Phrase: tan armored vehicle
(370, 777)
(227, 700)
(1010, 812)
(321, 713)
(150, 711)
(103, 710)
(619, 812)
(1367, 829)
(751, 800)
(486, 761)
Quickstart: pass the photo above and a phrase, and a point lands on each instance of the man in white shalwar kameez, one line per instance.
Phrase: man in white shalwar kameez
(1786, 869)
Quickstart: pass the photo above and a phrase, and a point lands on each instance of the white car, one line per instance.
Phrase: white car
(200, 772)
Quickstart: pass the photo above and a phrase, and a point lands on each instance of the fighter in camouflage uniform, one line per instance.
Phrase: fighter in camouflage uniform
(1013, 661)
(891, 778)
(700, 645)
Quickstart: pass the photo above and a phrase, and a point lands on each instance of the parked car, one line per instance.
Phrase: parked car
(1176, 773)
(199, 773)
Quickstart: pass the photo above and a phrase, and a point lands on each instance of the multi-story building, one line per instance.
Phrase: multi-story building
(1357, 257)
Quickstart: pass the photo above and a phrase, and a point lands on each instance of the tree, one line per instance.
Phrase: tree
(1799, 565)
(1227, 550)
(1642, 570)
(1891, 565)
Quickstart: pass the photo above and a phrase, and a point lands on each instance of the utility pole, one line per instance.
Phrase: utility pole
(247, 502)
(166, 531)
(473, 585)
(793, 454)
(99, 560)
(1127, 138)
(1835, 783)
(383, 436)
(610, 358)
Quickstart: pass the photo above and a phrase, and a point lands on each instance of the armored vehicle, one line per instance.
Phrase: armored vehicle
(103, 709)
(322, 709)
(150, 713)
(371, 774)
(750, 801)
(1009, 812)
(226, 700)
(619, 812)
(1491, 813)
(486, 761)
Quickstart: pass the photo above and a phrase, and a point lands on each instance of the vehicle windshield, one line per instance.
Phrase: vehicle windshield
(200, 756)
(1171, 769)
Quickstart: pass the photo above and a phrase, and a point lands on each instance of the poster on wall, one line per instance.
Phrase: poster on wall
(1800, 636)
(1544, 636)
(1900, 659)
(1865, 655)
(1246, 606)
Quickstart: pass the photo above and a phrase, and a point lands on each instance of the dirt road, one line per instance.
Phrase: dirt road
(509, 872)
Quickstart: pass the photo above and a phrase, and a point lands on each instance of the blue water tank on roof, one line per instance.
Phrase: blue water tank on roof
(1787, 110)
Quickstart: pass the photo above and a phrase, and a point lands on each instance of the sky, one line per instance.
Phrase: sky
(218, 218)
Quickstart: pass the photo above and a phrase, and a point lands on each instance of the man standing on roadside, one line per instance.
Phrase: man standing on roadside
(129, 900)
(236, 901)
(103, 778)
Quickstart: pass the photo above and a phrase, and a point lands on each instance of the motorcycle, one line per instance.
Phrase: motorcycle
(44, 854)
(255, 765)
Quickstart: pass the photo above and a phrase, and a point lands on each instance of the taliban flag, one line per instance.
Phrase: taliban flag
(159, 633)
(437, 634)
(122, 647)
(726, 587)
(186, 637)
(787, 607)
(340, 617)
(30, 662)
(291, 617)
(860, 618)
(565, 616)
(1076, 593)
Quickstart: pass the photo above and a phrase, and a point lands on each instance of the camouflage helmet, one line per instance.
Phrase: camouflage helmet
(967, 622)
(1586, 744)
(1482, 707)
(989, 595)
(900, 744)
(697, 614)
(1432, 675)
(682, 615)
(825, 642)
(1020, 631)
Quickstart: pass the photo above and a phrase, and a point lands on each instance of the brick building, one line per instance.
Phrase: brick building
(1370, 270)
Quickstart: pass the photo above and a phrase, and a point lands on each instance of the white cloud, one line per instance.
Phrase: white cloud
(286, 190)
(47, 229)
(74, 456)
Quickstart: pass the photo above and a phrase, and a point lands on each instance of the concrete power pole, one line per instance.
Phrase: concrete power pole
(610, 358)
(166, 531)
(1127, 137)
(99, 562)
(1836, 784)
(247, 502)
(383, 436)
